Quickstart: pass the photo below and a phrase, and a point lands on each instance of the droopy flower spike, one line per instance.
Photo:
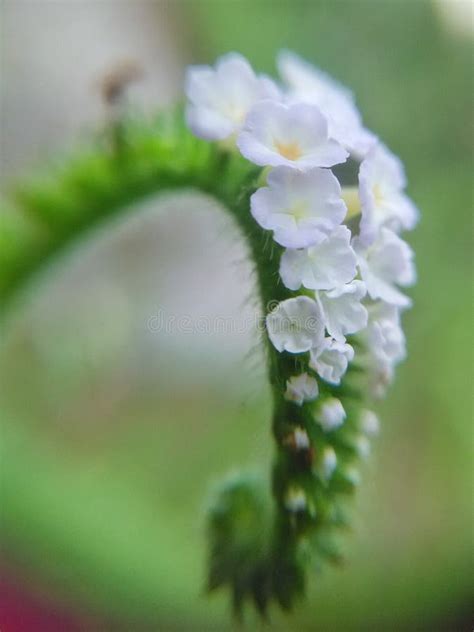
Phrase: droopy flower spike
(331, 270)
(331, 273)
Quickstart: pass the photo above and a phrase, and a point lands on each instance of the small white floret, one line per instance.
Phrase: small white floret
(309, 84)
(294, 135)
(343, 310)
(388, 262)
(301, 208)
(328, 265)
(301, 388)
(384, 335)
(331, 414)
(221, 97)
(330, 359)
(384, 344)
(381, 190)
(295, 325)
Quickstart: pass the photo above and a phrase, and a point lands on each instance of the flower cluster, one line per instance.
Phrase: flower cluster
(342, 258)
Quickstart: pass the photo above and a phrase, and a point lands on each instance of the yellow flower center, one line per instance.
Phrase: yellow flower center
(299, 210)
(378, 195)
(290, 151)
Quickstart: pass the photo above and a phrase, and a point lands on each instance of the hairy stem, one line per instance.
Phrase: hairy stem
(256, 552)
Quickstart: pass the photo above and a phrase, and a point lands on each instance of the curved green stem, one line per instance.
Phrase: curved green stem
(256, 550)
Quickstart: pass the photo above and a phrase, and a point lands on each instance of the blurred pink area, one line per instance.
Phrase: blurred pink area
(26, 607)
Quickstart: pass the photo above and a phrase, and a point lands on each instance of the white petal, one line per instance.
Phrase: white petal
(383, 203)
(301, 388)
(306, 79)
(384, 344)
(330, 359)
(309, 84)
(290, 135)
(388, 261)
(331, 414)
(207, 123)
(384, 334)
(236, 77)
(200, 85)
(293, 268)
(221, 97)
(343, 311)
(300, 207)
(295, 325)
(360, 142)
(325, 266)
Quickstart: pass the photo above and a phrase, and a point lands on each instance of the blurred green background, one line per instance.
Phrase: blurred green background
(112, 433)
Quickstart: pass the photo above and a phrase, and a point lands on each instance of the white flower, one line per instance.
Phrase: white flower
(388, 261)
(308, 84)
(328, 462)
(221, 97)
(342, 308)
(295, 500)
(301, 388)
(295, 325)
(369, 422)
(385, 346)
(323, 267)
(300, 207)
(295, 135)
(383, 202)
(331, 414)
(330, 359)
(384, 336)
